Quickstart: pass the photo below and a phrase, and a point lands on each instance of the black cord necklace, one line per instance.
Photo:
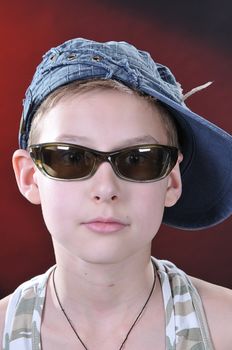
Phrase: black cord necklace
(132, 326)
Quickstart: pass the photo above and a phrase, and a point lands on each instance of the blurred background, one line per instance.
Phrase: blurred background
(192, 37)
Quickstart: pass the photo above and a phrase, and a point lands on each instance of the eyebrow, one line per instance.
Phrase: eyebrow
(78, 139)
(139, 140)
(70, 138)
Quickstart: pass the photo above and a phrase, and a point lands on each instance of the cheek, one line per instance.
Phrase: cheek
(59, 204)
(150, 206)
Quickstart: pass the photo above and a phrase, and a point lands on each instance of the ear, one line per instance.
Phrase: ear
(174, 188)
(24, 170)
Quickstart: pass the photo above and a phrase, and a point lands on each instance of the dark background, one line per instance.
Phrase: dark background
(192, 37)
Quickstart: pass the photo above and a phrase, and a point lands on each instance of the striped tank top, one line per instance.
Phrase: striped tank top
(186, 325)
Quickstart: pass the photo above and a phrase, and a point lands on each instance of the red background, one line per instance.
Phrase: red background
(192, 38)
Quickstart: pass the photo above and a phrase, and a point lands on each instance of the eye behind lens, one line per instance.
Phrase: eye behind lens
(67, 162)
(145, 164)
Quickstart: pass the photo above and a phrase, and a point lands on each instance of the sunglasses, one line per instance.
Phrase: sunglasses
(140, 163)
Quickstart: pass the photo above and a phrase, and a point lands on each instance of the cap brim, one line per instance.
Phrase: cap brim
(206, 171)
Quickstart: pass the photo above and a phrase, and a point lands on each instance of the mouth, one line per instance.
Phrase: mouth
(105, 225)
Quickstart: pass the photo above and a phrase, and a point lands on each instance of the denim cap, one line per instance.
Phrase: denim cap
(207, 166)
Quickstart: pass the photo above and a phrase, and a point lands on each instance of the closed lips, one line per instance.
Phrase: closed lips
(105, 225)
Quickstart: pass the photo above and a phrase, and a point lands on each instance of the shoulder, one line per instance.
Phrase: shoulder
(3, 307)
(217, 303)
(26, 297)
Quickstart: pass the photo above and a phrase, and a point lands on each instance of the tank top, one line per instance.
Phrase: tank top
(186, 325)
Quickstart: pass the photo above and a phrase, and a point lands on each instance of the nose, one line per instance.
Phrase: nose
(105, 184)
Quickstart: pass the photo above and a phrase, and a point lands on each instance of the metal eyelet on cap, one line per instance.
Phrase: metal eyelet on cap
(53, 57)
(72, 56)
(97, 58)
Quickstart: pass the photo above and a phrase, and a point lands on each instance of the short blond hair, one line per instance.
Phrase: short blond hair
(78, 87)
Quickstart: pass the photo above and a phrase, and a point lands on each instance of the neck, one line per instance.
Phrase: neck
(93, 290)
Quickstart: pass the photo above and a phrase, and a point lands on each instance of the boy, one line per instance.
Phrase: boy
(109, 150)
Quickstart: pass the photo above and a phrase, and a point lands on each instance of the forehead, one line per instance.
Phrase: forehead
(103, 116)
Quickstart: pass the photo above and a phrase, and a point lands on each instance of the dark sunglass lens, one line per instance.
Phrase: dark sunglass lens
(144, 164)
(67, 162)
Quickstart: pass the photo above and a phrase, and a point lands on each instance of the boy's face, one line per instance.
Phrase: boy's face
(104, 120)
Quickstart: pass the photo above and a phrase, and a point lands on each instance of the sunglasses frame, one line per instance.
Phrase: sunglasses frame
(35, 152)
